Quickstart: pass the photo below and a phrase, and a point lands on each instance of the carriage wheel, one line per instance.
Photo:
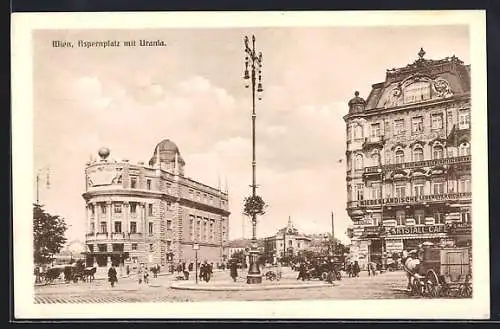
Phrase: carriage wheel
(324, 276)
(432, 284)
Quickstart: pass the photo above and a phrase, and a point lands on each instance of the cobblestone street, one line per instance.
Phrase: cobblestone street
(388, 285)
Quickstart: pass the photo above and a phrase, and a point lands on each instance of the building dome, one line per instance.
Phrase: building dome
(167, 151)
(356, 104)
(103, 152)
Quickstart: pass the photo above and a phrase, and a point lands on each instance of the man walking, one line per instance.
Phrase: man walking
(112, 276)
(234, 270)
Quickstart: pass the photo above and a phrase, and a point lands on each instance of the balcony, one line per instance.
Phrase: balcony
(418, 164)
(134, 236)
(89, 235)
(373, 141)
(418, 199)
(101, 236)
(118, 236)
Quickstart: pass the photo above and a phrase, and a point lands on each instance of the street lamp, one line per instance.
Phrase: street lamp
(381, 225)
(253, 60)
(196, 247)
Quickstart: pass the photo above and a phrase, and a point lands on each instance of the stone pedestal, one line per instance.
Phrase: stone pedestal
(254, 276)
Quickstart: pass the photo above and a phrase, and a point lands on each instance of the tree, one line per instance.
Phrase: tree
(48, 234)
(254, 205)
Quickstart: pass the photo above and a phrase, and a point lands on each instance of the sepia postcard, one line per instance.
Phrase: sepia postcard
(275, 165)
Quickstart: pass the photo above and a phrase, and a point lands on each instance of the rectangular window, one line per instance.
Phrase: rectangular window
(438, 218)
(169, 245)
(198, 229)
(464, 185)
(417, 125)
(399, 126)
(134, 246)
(102, 247)
(104, 227)
(419, 217)
(400, 191)
(359, 192)
(437, 121)
(92, 227)
(133, 227)
(464, 119)
(465, 217)
(438, 188)
(400, 217)
(103, 208)
(118, 208)
(118, 227)
(418, 189)
(375, 130)
(376, 193)
(133, 182)
(148, 184)
(150, 209)
(150, 247)
(205, 231)
(92, 209)
(150, 228)
(169, 224)
(133, 207)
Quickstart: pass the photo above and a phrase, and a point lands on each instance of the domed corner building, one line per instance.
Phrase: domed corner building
(408, 160)
(152, 214)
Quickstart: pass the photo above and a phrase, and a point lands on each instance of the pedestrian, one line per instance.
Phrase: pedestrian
(234, 270)
(302, 271)
(139, 275)
(146, 276)
(112, 275)
(128, 270)
(356, 269)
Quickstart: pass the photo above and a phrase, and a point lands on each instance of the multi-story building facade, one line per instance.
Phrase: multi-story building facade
(287, 242)
(152, 214)
(408, 160)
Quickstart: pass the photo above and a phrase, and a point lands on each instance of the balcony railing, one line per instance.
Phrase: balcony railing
(91, 235)
(101, 236)
(134, 236)
(417, 199)
(418, 164)
(116, 235)
(373, 140)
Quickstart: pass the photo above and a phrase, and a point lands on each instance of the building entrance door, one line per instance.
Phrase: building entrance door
(375, 251)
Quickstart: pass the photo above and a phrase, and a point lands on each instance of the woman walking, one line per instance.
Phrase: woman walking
(234, 270)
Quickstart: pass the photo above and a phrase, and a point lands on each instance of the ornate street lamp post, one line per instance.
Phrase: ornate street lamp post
(253, 62)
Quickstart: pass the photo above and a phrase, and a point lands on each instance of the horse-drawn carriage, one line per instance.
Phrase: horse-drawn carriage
(440, 272)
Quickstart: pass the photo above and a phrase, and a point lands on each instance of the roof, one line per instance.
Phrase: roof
(243, 243)
(442, 78)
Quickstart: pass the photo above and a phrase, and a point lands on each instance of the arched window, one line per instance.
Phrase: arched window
(358, 131)
(376, 159)
(464, 149)
(418, 154)
(437, 152)
(358, 163)
(399, 156)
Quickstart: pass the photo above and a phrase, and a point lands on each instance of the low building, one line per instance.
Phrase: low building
(287, 242)
(152, 214)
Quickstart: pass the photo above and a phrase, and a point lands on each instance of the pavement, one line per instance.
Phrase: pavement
(389, 285)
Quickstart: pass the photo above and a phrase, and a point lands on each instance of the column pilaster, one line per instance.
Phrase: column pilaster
(108, 214)
(126, 214)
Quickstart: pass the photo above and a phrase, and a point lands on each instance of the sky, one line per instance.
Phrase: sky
(191, 91)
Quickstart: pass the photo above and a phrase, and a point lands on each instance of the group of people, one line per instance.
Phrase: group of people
(352, 269)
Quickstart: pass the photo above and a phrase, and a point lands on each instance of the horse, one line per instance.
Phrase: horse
(89, 274)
